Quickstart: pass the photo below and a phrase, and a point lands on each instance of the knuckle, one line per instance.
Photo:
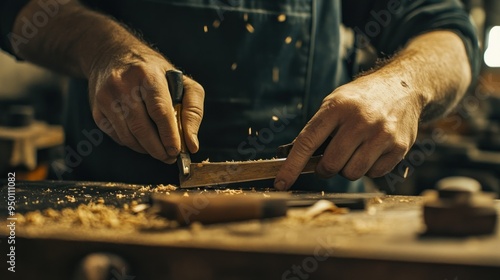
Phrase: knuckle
(330, 168)
(377, 172)
(169, 140)
(331, 104)
(400, 148)
(196, 87)
(352, 174)
(137, 128)
(305, 143)
(158, 111)
(193, 115)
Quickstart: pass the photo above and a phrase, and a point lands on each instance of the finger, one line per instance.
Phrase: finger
(144, 130)
(117, 117)
(159, 107)
(310, 138)
(105, 125)
(192, 112)
(342, 146)
(385, 163)
(362, 160)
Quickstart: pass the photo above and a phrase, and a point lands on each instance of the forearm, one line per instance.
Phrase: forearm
(434, 68)
(73, 39)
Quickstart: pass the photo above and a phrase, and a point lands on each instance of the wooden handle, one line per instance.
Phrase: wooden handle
(209, 209)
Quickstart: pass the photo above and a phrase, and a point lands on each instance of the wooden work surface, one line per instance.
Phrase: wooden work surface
(381, 242)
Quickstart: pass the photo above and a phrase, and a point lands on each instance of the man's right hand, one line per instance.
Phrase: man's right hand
(128, 90)
(131, 102)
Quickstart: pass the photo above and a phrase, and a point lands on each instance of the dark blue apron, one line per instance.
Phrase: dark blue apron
(265, 66)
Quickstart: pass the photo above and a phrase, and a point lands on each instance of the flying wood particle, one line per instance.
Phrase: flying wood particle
(406, 172)
(276, 74)
(249, 131)
(281, 17)
(245, 17)
(216, 23)
(250, 28)
(234, 66)
(205, 29)
(275, 118)
(288, 40)
(298, 44)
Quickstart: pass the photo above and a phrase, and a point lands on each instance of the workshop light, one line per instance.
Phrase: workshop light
(492, 53)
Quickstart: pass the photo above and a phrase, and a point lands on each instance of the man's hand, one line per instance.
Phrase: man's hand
(373, 120)
(128, 89)
(372, 126)
(131, 102)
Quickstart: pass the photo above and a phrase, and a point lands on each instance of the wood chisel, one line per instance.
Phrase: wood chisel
(176, 88)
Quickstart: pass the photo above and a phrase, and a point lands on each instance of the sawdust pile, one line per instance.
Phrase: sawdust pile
(94, 216)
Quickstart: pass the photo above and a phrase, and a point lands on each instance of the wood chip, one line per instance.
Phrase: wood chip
(205, 28)
(165, 188)
(322, 206)
(406, 172)
(288, 40)
(298, 44)
(276, 74)
(250, 28)
(281, 17)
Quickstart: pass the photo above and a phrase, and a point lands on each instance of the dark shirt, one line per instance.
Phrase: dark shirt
(265, 66)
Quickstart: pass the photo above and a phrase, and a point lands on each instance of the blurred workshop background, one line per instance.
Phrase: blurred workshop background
(465, 143)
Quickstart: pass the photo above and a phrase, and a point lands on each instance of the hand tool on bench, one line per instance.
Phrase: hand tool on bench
(210, 208)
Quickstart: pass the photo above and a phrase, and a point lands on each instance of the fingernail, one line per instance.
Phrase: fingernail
(280, 185)
(173, 152)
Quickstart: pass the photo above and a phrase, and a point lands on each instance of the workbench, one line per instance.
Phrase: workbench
(384, 241)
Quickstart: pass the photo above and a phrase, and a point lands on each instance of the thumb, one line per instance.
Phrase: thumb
(192, 112)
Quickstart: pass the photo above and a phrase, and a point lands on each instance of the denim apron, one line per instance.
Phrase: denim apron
(265, 66)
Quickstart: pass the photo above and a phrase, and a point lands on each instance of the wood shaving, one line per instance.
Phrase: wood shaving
(139, 208)
(322, 206)
(71, 198)
(250, 28)
(165, 188)
(229, 192)
(95, 216)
